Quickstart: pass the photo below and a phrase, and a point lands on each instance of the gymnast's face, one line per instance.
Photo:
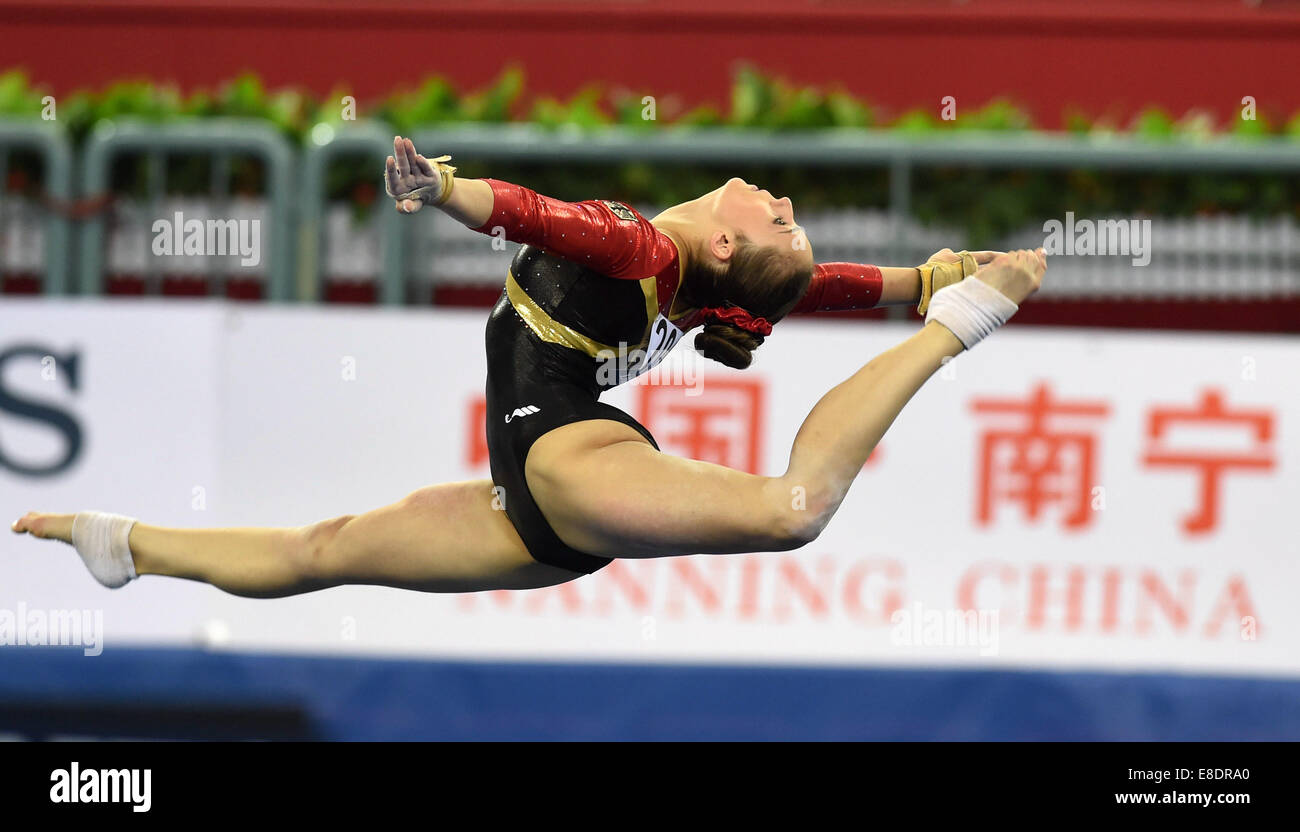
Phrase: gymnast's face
(758, 216)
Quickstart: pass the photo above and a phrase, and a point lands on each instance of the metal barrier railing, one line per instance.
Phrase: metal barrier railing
(48, 141)
(326, 143)
(222, 138)
(900, 153)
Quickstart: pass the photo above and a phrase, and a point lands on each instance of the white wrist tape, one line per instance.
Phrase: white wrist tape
(101, 540)
(972, 309)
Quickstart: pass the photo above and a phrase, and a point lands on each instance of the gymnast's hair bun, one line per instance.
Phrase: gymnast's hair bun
(728, 344)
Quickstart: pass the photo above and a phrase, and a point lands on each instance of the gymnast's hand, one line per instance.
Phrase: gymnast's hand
(410, 179)
(1016, 274)
(946, 267)
(947, 255)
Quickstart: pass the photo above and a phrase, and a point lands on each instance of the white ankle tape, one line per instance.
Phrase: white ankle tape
(972, 309)
(101, 540)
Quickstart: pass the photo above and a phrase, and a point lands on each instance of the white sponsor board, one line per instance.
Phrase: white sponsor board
(1098, 500)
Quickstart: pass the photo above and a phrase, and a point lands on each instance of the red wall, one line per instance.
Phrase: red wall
(1104, 56)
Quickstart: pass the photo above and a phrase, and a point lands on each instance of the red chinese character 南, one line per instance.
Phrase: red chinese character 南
(724, 424)
(1034, 461)
(1210, 411)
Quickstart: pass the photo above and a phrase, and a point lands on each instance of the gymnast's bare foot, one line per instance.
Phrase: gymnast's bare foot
(50, 526)
(102, 540)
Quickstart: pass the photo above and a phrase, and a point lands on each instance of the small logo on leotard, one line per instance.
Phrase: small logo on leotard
(620, 210)
(526, 410)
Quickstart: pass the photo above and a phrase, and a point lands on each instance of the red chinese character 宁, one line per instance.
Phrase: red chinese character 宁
(1209, 411)
(1034, 461)
(476, 448)
(724, 424)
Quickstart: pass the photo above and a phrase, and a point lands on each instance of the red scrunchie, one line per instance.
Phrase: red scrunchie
(738, 317)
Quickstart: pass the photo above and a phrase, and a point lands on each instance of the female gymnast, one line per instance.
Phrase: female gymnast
(596, 295)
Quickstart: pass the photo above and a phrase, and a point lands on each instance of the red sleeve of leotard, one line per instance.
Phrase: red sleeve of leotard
(608, 237)
(842, 286)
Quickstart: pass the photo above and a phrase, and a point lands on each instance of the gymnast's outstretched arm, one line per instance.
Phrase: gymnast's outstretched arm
(623, 246)
(838, 287)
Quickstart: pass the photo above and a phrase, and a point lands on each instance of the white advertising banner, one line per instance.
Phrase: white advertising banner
(1053, 499)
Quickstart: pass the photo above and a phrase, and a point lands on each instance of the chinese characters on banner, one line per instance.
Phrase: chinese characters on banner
(724, 424)
(1210, 466)
(1035, 463)
(1037, 451)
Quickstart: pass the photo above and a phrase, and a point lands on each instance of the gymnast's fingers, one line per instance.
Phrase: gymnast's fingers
(399, 152)
(412, 166)
(391, 176)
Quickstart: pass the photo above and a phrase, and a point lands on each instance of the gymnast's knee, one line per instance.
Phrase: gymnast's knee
(798, 515)
(316, 552)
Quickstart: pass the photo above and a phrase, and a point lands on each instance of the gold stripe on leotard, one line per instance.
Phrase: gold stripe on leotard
(650, 286)
(546, 327)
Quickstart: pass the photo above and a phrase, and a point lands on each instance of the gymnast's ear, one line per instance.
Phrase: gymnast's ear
(723, 245)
